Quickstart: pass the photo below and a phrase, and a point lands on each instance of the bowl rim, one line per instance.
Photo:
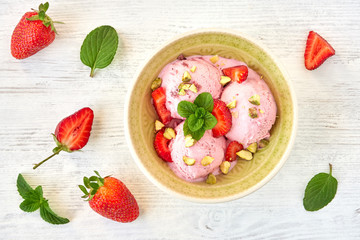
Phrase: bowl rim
(258, 185)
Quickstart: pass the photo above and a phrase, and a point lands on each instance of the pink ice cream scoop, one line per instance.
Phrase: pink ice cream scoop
(206, 146)
(246, 129)
(204, 76)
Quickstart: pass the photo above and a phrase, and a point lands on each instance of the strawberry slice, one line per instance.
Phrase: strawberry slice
(161, 145)
(223, 117)
(72, 133)
(232, 149)
(159, 101)
(317, 51)
(237, 73)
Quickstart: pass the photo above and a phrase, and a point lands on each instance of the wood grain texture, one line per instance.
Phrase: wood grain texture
(36, 93)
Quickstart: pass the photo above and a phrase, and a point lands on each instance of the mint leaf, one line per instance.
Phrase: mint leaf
(99, 48)
(186, 129)
(185, 108)
(205, 100)
(200, 112)
(320, 191)
(197, 135)
(23, 187)
(29, 205)
(195, 123)
(49, 216)
(210, 121)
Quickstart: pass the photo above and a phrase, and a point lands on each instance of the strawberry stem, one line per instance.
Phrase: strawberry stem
(55, 153)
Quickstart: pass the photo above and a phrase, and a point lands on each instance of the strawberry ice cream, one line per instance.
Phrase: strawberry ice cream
(206, 146)
(205, 77)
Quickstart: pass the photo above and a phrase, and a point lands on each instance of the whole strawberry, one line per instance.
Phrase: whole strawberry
(34, 32)
(110, 198)
(72, 133)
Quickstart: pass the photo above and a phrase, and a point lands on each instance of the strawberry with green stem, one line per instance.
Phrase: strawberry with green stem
(72, 133)
(34, 32)
(110, 198)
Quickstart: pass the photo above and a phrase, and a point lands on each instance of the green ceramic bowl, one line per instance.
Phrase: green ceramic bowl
(247, 176)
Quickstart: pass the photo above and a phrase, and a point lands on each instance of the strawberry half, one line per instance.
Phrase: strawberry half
(159, 101)
(237, 73)
(161, 145)
(232, 149)
(72, 133)
(317, 51)
(110, 198)
(223, 117)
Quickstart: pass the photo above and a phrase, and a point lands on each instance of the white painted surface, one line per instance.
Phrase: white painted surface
(36, 93)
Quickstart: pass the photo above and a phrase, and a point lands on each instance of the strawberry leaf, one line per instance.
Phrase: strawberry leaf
(99, 48)
(320, 191)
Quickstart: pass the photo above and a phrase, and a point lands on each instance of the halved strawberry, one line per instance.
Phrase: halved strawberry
(232, 149)
(161, 145)
(159, 101)
(237, 73)
(223, 117)
(72, 133)
(317, 51)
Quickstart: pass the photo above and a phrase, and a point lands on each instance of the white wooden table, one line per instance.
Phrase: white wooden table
(36, 93)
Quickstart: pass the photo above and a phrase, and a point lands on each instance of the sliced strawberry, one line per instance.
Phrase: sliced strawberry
(237, 73)
(159, 101)
(232, 149)
(73, 132)
(161, 145)
(317, 51)
(223, 117)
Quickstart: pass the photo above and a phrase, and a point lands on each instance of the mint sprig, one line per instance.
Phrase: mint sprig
(198, 115)
(99, 48)
(33, 200)
(320, 191)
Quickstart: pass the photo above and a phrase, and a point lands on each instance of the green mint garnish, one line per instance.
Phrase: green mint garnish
(198, 115)
(33, 200)
(99, 48)
(320, 191)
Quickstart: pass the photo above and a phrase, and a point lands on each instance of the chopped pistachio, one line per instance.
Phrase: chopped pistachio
(261, 111)
(263, 143)
(224, 80)
(235, 114)
(184, 86)
(255, 99)
(193, 88)
(193, 69)
(186, 77)
(231, 104)
(252, 147)
(158, 125)
(214, 59)
(253, 112)
(156, 84)
(169, 133)
(207, 160)
(189, 161)
(211, 179)
(189, 141)
(245, 154)
(182, 92)
(224, 167)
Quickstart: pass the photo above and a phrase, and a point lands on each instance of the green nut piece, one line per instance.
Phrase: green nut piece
(231, 104)
(169, 133)
(263, 143)
(207, 160)
(214, 59)
(189, 141)
(245, 155)
(186, 77)
(189, 161)
(193, 88)
(156, 84)
(193, 69)
(252, 147)
(182, 92)
(158, 125)
(211, 179)
(225, 167)
(224, 80)
(253, 112)
(255, 99)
